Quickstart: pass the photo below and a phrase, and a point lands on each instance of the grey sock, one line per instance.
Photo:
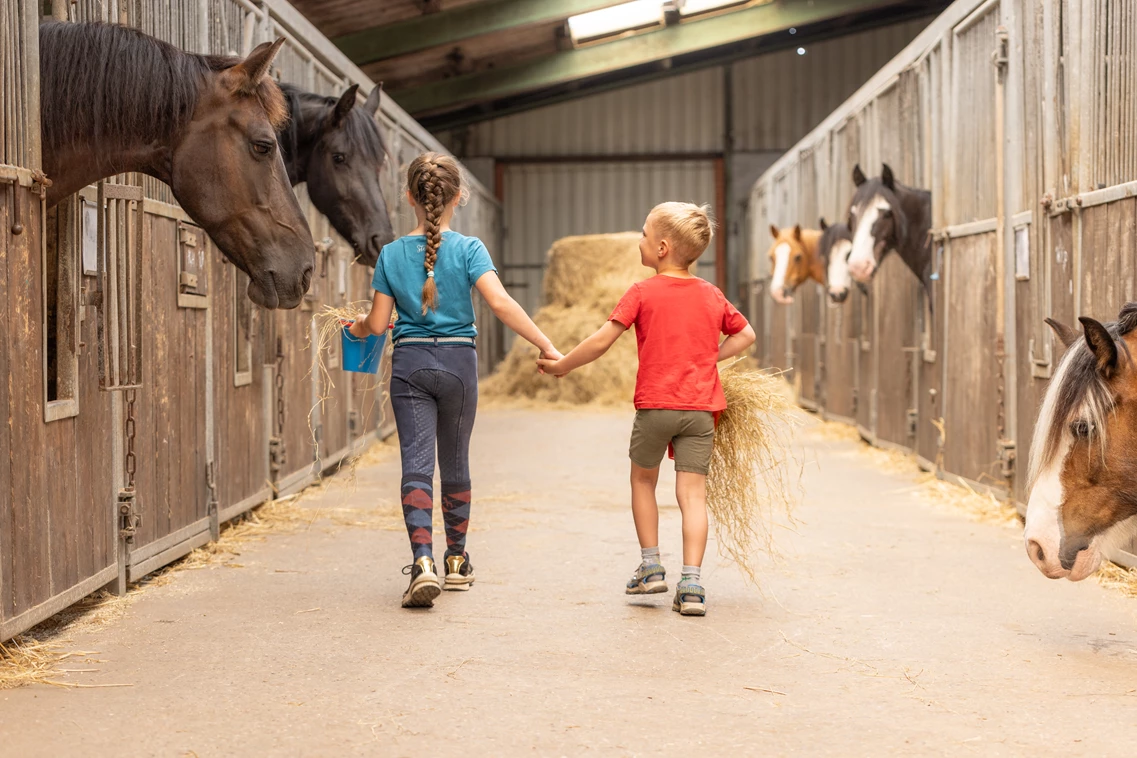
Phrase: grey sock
(650, 555)
(691, 574)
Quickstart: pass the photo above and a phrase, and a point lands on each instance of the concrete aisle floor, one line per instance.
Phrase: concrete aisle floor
(894, 628)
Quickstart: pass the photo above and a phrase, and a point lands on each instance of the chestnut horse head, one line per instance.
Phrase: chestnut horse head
(115, 100)
(1083, 457)
(793, 260)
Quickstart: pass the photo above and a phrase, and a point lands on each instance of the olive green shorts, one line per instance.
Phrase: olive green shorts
(691, 432)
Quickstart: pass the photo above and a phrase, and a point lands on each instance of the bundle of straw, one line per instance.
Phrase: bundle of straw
(751, 486)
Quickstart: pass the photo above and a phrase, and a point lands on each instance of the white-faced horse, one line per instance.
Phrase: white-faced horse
(1083, 457)
(887, 216)
(833, 249)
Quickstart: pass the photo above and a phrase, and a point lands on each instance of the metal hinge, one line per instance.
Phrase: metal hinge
(913, 418)
(1040, 366)
(211, 483)
(354, 422)
(1001, 56)
(277, 454)
(855, 398)
(1007, 458)
(128, 518)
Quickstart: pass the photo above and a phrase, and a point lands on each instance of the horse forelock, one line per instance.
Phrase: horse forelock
(1077, 389)
(309, 113)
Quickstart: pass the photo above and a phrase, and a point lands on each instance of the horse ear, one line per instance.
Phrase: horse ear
(824, 225)
(1067, 335)
(1102, 345)
(253, 69)
(372, 104)
(774, 231)
(797, 232)
(858, 175)
(344, 106)
(886, 177)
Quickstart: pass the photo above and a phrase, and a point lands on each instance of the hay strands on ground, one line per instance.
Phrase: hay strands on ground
(752, 484)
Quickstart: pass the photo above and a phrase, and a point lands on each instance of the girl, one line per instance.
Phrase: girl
(428, 277)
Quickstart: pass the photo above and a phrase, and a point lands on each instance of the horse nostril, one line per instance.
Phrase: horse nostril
(306, 279)
(1036, 553)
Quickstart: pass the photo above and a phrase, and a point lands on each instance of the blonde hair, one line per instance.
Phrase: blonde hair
(687, 226)
(434, 180)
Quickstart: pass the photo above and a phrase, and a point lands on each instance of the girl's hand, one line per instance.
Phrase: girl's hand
(359, 328)
(552, 367)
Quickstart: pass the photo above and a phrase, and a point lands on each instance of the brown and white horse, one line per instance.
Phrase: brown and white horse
(887, 216)
(794, 259)
(1083, 457)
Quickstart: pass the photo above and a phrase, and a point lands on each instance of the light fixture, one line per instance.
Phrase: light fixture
(616, 19)
(793, 30)
(694, 7)
(801, 51)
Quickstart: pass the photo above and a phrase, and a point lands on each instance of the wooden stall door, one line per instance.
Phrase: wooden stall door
(170, 410)
(807, 345)
(897, 294)
(863, 304)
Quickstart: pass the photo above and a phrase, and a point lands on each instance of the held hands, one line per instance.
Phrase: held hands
(550, 358)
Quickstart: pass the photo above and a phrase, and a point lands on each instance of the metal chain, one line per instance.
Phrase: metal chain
(131, 462)
(279, 388)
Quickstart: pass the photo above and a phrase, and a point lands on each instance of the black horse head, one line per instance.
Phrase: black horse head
(834, 248)
(887, 216)
(336, 148)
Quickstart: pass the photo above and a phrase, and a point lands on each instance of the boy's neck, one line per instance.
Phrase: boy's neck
(673, 271)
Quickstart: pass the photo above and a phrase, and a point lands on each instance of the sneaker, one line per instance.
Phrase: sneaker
(459, 573)
(690, 600)
(424, 586)
(648, 580)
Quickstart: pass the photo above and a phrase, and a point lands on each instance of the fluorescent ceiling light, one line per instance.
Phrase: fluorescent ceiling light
(692, 7)
(616, 19)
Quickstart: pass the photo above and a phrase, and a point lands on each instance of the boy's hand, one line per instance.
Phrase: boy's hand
(551, 354)
(552, 367)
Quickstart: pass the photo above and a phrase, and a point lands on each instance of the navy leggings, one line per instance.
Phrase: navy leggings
(434, 393)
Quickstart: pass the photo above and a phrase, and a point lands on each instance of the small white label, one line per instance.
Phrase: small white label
(1022, 253)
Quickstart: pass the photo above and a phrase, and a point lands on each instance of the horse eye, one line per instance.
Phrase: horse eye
(797, 258)
(886, 213)
(262, 148)
(1080, 429)
(339, 157)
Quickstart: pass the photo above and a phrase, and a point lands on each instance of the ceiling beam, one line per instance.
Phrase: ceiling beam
(449, 27)
(627, 52)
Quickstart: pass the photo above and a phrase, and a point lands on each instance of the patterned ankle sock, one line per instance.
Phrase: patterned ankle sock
(418, 510)
(456, 515)
(691, 574)
(649, 555)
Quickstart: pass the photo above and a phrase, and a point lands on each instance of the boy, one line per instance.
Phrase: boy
(679, 320)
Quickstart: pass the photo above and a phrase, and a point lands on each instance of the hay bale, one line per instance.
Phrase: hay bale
(585, 278)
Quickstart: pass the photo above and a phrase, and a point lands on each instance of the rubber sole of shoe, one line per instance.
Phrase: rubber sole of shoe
(647, 588)
(689, 609)
(422, 593)
(458, 583)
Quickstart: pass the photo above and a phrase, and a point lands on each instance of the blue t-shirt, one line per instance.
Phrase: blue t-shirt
(399, 273)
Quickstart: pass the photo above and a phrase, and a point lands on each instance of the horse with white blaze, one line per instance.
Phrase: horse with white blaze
(1083, 457)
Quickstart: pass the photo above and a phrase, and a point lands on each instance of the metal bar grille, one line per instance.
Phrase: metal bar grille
(120, 286)
(1114, 93)
(19, 73)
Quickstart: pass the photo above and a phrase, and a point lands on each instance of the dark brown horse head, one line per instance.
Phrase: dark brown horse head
(228, 174)
(115, 100)
(1083, 458)
(793, 260)
(335, 146)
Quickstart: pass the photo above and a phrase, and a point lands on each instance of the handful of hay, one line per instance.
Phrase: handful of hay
(750, 487)
(585, 278)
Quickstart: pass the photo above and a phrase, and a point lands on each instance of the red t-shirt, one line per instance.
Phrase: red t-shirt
(679, 324)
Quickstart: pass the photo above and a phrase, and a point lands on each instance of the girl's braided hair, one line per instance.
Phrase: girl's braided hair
(434, 180)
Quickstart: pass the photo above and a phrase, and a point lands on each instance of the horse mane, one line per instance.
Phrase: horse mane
(307, 111)
(106, 85)
(1077, 383)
